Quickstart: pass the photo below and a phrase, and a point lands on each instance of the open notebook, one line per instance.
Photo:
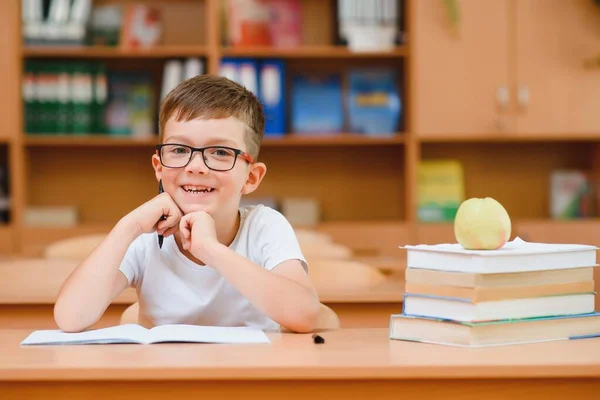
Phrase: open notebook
(132, 333)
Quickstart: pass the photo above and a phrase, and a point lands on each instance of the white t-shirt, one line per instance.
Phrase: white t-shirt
(172, 289)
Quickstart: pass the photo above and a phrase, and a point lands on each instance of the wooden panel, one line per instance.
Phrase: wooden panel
(38, 281)
(369, 238)
(517, 174)
(104, 183)
(350, 183)
(318, 51)
(114, 52)
(7, 239)
(575, 231)
(434, 233)
(317, 18)
(35, 239)
(41, 316)
(456, 77)
(563, 96)
(183, 20)
(415, 389)
(348, 354)
(365, 315)
(10, 69)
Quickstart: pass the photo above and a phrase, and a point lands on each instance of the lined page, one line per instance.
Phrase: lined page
(206, 334)
(130, 333)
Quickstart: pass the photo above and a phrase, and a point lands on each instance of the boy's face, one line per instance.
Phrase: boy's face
(195, 187)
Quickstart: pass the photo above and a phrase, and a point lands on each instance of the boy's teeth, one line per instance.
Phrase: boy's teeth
(192, 189)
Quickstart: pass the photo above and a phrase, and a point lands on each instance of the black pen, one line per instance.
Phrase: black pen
(160, 237)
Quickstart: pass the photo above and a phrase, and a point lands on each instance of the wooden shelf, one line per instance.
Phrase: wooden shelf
(311, 52)
(189, 51)
(113, 52)
(88, 140)
(344, 139)
(496, 137)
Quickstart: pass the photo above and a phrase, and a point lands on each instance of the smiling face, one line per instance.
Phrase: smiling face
(195, 187)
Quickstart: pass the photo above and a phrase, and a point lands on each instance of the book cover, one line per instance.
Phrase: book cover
(515, 256)
(136, 334)
(448, 332)
(440, 190)
(317, 104)
(374, 103)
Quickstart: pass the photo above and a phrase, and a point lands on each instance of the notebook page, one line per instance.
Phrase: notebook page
(130, 333)
(206, 334)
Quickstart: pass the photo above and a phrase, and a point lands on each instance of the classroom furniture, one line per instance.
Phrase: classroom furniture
(476, 92)
(328, 319)
(361, 363)
(28, 290)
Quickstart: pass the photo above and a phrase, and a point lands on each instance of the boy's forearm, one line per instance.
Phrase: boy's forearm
(285, 301)
(86, 293)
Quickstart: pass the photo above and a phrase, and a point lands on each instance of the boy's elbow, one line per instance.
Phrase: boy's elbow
(66, 319)
(306, 321)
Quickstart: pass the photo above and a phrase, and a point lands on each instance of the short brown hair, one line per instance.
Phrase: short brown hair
(212, 96)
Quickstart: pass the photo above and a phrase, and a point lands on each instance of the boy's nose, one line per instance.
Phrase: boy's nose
(197, 164)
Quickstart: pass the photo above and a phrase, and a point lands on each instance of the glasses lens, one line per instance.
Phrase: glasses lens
(219, 158)
(175, 156)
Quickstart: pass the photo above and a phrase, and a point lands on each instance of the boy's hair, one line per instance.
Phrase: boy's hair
(212, 96)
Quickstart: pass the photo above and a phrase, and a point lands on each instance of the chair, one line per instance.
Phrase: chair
(327, 320)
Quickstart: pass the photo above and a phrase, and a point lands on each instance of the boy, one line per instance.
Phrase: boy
(220, 264)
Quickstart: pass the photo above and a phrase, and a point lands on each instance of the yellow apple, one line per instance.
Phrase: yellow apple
(482, 224)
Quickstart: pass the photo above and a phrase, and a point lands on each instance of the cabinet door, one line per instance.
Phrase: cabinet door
(552, 39)
(458, 76)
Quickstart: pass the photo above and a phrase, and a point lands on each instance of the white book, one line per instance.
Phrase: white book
(468, 311)
(515, 256)
(136, 334)
(494, 333)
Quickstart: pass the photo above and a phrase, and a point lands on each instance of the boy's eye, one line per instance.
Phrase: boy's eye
(221, 152)
(179, 150)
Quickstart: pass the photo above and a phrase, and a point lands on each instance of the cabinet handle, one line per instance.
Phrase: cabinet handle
(523, 96)
(503, 97)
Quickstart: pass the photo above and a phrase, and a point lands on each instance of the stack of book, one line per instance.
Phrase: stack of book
(522, 293)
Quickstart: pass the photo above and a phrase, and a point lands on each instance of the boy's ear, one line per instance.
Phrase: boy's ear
(255, 176)
(157, 166)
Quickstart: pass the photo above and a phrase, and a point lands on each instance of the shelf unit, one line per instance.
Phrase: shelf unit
(364, 184)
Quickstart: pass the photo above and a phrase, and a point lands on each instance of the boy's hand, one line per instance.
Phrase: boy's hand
(147, 217)
(197, 232)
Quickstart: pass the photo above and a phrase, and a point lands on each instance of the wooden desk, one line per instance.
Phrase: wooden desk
(361, 363)
(28, 290)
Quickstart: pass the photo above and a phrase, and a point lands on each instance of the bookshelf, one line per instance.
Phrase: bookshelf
(111, 52)
(450, 109)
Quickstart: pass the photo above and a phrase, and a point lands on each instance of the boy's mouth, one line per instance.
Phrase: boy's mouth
(197, 189)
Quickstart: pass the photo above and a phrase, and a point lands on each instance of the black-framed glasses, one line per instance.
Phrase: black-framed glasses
(217, 158)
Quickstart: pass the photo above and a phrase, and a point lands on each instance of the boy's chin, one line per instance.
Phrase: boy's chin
(191, 208)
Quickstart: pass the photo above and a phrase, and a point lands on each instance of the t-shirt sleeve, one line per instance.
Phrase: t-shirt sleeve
(132, 261)
(277, 241)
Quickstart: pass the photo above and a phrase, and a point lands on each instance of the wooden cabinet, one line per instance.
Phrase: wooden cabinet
(513, 67)
(575, 231)
(461, 77)
(553, 92)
